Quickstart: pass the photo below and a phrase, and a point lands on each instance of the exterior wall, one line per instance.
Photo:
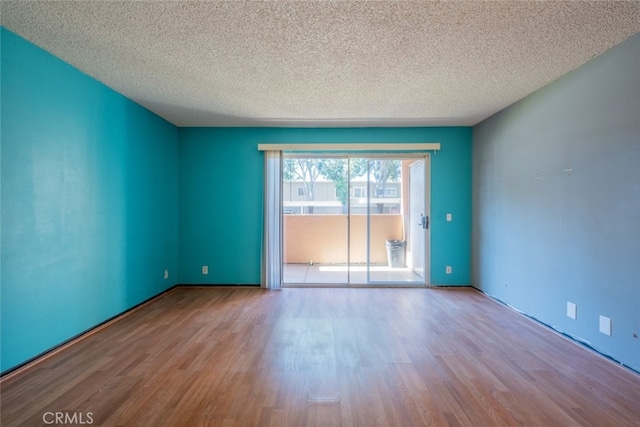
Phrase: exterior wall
(324, 191)
(325, 201)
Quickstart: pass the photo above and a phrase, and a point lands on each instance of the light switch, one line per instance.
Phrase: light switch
(571, 310)
(605, 325)
(449, 217)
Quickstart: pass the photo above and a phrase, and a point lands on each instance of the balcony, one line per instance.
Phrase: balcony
(319, 250)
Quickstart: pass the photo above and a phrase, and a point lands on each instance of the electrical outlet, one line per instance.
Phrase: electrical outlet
(571, 310)
(205, 269)
(166, 274)
(448, 269)
(605, 325)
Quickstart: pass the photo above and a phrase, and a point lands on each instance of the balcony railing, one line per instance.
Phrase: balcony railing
(324, 239)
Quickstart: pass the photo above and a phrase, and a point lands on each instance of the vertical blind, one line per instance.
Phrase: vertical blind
(272, 241)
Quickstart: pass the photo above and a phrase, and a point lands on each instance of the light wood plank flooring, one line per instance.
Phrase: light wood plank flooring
(332, 357)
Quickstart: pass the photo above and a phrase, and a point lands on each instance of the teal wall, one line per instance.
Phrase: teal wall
(89, 202)
(556, 203)
(221, 188)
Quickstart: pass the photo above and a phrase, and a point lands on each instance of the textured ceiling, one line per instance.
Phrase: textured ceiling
(319, 63)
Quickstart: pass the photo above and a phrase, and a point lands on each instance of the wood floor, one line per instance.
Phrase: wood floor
(333, 357)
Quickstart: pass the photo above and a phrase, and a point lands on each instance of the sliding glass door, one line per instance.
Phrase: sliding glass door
(349, 220)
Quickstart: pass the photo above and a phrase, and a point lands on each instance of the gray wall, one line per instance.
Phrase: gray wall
(556, 203)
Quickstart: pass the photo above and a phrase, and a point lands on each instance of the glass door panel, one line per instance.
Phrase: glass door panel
(358, 236)
(397, 188)
(418, 223)
(315, 220)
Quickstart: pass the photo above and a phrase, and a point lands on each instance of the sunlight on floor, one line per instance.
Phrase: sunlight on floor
(304, 274)
(359, 268)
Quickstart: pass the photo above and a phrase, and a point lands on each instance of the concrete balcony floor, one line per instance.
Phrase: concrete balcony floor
(341, 274)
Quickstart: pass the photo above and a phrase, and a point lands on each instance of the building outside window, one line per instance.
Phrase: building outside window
(359, 192)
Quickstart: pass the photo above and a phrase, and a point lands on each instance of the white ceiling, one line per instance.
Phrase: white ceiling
(320, 63)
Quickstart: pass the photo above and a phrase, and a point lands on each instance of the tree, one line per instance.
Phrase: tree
(382, 171)
(336, 170)
(307, 171)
